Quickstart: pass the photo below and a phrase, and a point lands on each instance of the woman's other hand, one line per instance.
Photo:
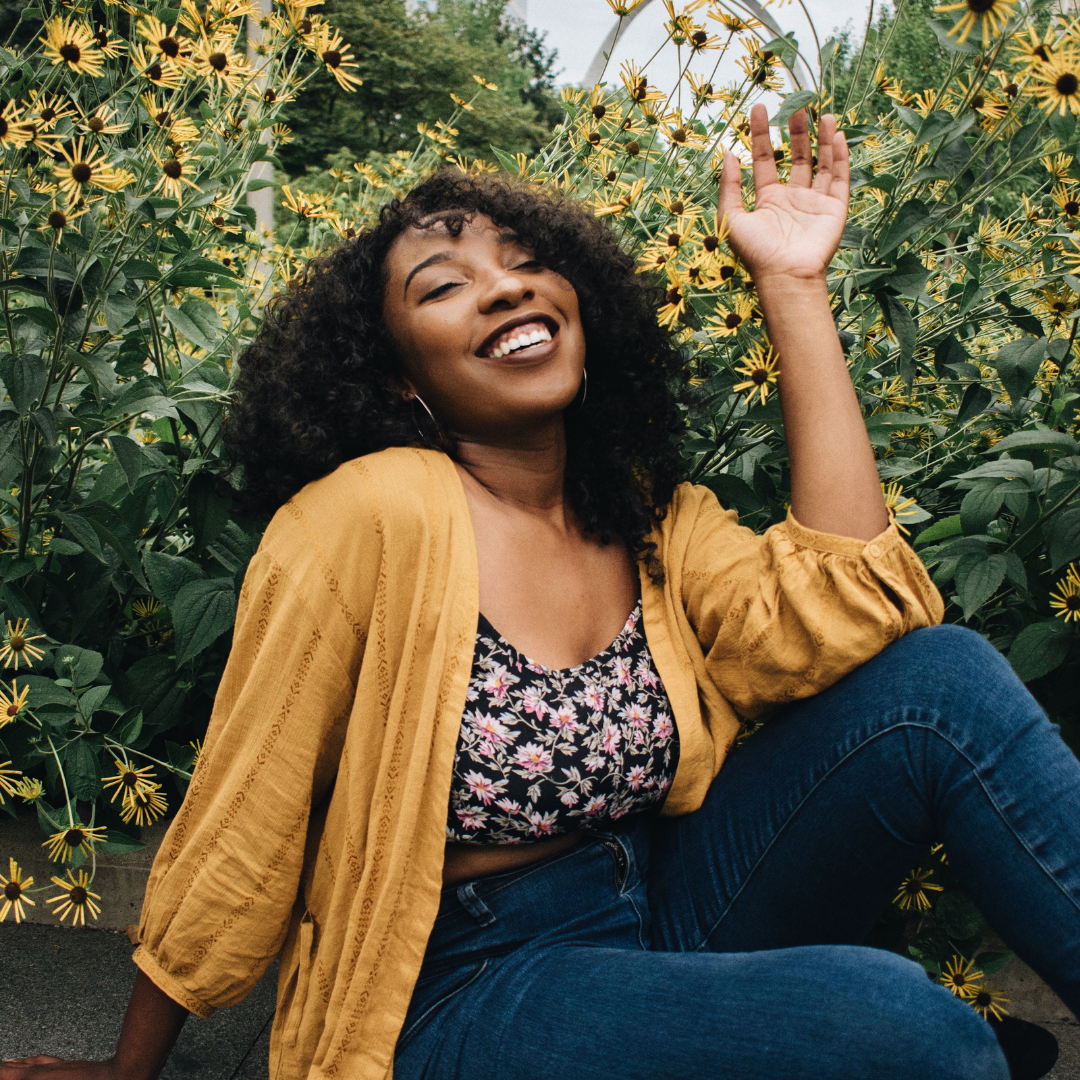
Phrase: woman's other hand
(44, 1067)
(794, 228)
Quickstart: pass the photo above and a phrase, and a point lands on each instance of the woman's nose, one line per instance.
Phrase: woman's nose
(503, 289)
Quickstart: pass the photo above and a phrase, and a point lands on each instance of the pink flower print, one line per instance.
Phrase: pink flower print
(635, 777)
(569, 798)
(595, 805)
(482, 786)
(618, 812)
(610, 738)
(662, 727)
(472, 693)
(534, 758)
(564, 719)
(645, 674)
(508, 806)
(639, 738)
(532, 701)
(593, 697)
(472, 817)
(631, 622)
(622, 669)
(637, 716)
(615, 695)
(594, 762)
(498, 682)
(496, 731)
(542, 824)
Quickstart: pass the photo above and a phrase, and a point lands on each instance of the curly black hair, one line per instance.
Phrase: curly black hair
(320, 383)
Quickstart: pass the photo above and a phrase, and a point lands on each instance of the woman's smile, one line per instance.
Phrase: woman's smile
(525, 337)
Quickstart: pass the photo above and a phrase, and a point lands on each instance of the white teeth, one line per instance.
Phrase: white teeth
(520, 341)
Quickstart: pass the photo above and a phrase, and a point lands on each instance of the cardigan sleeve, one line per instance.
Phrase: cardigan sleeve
(225, 880)
(784, 615)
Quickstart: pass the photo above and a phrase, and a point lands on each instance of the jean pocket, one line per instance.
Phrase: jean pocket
(431, 994)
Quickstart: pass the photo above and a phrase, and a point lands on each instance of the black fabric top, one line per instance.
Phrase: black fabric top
(546, 751)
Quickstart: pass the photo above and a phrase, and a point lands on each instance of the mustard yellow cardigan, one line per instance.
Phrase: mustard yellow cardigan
(314, 824)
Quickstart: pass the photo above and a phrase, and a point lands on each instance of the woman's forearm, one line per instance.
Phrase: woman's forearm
(834, 481)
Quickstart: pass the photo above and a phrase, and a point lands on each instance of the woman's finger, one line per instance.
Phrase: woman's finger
(840, 186)
(826, 134)
(802, 161)
(765, 173)
(730, 202)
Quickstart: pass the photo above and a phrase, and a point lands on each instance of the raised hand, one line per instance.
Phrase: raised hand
(794, 229)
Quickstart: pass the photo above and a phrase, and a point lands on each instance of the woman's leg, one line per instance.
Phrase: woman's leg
(837, 1012)
(811, 823)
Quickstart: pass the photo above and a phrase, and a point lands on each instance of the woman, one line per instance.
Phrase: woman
(467, 418)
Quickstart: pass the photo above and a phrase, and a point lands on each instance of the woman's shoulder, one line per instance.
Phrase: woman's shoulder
(691, 502)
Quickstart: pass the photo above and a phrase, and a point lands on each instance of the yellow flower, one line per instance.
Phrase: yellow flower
(85, 169)
(485, 84)
(988, 1000)
(30, 790)
(761, 69)
(628, 195)
(899, 508)
(10, 707)
(760, 370)
(173, 46)
(682, 135)
(913, 890)
(158, 71)
(6, 777)
(1066, 602)
(179, 128)
(960, 975)
(333, 52)
(146, 607)
(312, 207)
(727, 320)
(128, 779)
(47, 109)
(461, 103)
(63, 845)
(197, 746)
(17, 645)
(282, 134)
(993, 14)
(1067, 198)
(101, 122)
(1035, 50)
(76, 899)
(69, 42)
(14, 892)
(622, 8)
(637, 86)
(1057, 82)
(674, 298)
(215, 61)
(13, 131)
(176, 171)
(144, 806)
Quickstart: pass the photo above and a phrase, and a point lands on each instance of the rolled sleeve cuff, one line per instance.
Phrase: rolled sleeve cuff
(168, 984)
(878, 548)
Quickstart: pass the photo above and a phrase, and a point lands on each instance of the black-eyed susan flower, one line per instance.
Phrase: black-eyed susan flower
(1067, 196)
(109, 46)
(13, 894)
(282, 133)
(197, 746)
(13, 130)
(11, 707)
(144, 806)
(485, 84)
(177, 172)
(992, 15)
(728, 320)
(1065, 599)
(1033, 49)
(47, 109)
(989, 1001)
(622, 8)
(759, 367)
(215, 60)
(29, 789)
(17, 645)
(674, 298)
(961, 977)
(146, 607)
(72, 43)
(160, 72)
(899, 508)
(637, 86)
(128, 779)
(620, 198)
(914, 891)
(1056, 83)
(761, 66)
(311, 207)
(77, 837)
(682, 134)
(88, 168)
(103, 121)
(76, 899)
(332, 49)
(168, 41)
(9, 780)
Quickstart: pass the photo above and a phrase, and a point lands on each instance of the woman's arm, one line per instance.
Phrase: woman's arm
(787, 243)
(152, 1025)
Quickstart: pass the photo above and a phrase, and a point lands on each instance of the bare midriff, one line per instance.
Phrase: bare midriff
(463, 862)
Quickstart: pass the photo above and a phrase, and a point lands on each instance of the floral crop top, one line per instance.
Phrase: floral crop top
(546, 751)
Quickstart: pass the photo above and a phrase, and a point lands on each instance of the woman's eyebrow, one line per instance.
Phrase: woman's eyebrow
(431, 260)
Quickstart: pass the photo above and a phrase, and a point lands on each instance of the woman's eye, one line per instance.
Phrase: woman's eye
(531, 264)
(438, 290)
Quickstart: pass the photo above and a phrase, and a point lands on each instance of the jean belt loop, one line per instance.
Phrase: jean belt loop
(474, 905)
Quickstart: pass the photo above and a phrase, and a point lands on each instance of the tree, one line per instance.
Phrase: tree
(411, 62)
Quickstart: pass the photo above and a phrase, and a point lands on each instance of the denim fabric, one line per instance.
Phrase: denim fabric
(723, 943)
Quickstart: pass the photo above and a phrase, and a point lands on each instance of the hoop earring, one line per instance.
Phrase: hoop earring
(584, 391)
(438, 431)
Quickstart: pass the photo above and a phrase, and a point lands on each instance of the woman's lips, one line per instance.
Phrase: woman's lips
(519, 339)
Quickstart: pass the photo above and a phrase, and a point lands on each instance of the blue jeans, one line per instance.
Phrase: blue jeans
(723, 943)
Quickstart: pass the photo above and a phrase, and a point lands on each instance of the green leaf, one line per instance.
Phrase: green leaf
(910, 218)
(1064, 539)
(733, 492)
(910, 276)
(978, 581)
(979, 508)
(957, 915)
(791, 104)
(118, 843)
(81, 666)
(82, 770)
(1039, 648)
(168, 574)
(1017, 363)
(93, 699)
(81, 529)
(1064, 127)
(990, 963)
(151, 684)
(129, 727)
(1020, 316)
(44, 691)
(131, 456)
(1036, 440)
(137, 270)
(209, 512)
(948, 353)
(202, 612)
(975, 401)
(119, 311)
(198, 321)
(1004, 469)
(786, 47)
(24, 378)
(942, 31)
(940, 530)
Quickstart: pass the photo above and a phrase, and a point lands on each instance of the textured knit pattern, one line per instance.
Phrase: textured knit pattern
(315, 821)
(547, 751)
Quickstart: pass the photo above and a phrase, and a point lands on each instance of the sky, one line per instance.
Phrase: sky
(576, 28)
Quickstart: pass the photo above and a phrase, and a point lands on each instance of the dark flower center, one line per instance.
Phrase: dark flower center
(80, 173)
(978, 101)
(674, 239)
(172, 169)
(699, 37)
(13, 710)
(1071, 207)
(18, 642)
(219, 221)
(599, 111)
(639, 91)
(594, 138)
(1067, 84)
(633, 148)
(48, 114)
(218, 61)
(170, 47)
(731, 320)
(74, 837)
(350, 233)
(674, 295)
(129, 779)
(102, 38)
(12, 890)
(711, 243)
(983, 998)
(3, 127)
(1041, 52)
(332, 58)
(760, 375)
(305, 26)
(154, 72)
(1072, 603)
(727, 272)
(269, 97)
(95, 123)
(78, 896)
(70, 52)
(163, 118)
(226, 261)
(778, 155)
(679, 135)
(981, 6)
(1011, 89)
(677, 207)
(611, 176)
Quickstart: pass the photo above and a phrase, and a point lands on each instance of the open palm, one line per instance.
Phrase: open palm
(794, 228)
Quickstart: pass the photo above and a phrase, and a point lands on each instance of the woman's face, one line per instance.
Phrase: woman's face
(489, 338)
